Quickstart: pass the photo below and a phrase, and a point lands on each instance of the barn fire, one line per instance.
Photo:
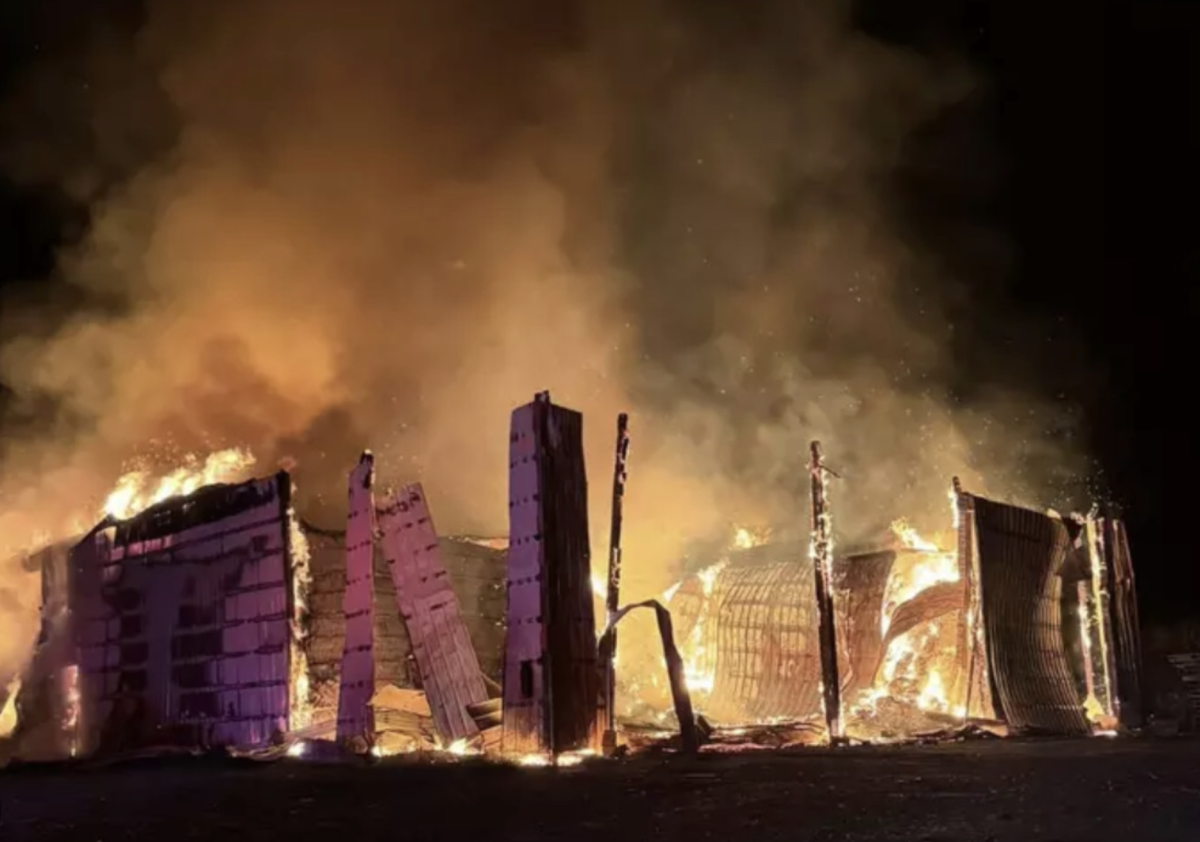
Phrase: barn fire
(204, 613)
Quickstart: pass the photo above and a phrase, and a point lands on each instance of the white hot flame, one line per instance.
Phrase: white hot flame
(139, 490)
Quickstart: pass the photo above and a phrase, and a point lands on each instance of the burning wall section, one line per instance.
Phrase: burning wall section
(182, 619)
(1020, 560)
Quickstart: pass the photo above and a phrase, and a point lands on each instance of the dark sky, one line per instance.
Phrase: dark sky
(1089, 112)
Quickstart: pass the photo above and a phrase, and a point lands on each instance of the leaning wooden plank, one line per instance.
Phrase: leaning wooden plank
(355, 716)
(551, 682)
(442, 647)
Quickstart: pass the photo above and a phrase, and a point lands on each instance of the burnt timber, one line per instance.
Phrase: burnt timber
(551, 685)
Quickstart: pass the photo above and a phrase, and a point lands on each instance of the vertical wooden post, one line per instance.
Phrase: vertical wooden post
(551, 676)
(356, 718)
(821, 551)
(612, 601)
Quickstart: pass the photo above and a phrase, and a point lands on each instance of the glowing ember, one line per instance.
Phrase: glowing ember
(138, 490)
(297, 750)
(460, 748)
(599, 586)
(533, 760)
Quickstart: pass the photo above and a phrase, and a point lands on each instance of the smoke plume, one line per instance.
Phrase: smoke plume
(316, 227)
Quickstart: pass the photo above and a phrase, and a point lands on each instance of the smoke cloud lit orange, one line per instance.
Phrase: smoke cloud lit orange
(384, 224)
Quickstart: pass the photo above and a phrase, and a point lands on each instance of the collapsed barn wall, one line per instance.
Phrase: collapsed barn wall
(1020, 558)
(181, 619)
(476, 572)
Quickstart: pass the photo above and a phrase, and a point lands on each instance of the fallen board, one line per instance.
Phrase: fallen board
(355, 720)
(446, 660)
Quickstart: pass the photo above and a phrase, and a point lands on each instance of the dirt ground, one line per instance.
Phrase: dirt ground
(1059, 791)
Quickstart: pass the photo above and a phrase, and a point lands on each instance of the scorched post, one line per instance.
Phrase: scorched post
(821, 551)
(612, 601)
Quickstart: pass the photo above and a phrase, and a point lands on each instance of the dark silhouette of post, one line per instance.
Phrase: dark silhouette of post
(612, 597)
(821, 550)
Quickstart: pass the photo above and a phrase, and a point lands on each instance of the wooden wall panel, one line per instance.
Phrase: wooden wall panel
(446, 660)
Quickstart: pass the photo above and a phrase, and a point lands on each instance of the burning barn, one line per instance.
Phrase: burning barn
(1018, 619)
(217, 617)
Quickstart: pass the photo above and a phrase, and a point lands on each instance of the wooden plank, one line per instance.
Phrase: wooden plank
(355, 720)
(446, 660)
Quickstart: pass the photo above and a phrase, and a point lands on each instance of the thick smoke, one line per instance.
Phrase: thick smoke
(385, 224)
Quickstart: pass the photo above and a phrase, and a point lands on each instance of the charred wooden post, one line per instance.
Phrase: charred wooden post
(551, 680)
(613, 595)
(1126, 636)
(446, 659)
(689, 734)
(1097, 612)
(356, 720)
(821, 551)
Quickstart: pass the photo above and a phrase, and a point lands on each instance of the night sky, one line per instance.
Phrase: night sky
(1088, 112)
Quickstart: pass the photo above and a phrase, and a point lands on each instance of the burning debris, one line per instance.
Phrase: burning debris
(202, 612)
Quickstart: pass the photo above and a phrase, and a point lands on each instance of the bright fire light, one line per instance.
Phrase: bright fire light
(138, 490)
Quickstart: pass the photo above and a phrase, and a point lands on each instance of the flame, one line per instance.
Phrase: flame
(532, 760)
(8, 715)
(699, 664)
(137, 490)
(460, 748)
(933, 694)
(921, 567)
(570, 758)
(297, 749)
(910, 539)
(910, 657)
(745, 538)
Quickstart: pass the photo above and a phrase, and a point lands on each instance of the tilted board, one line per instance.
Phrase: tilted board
(551, 679)
(446, 660)
(181, 621)
(355, 720)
